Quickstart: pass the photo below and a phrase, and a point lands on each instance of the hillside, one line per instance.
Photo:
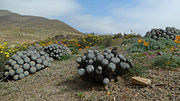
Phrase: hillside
(15, 27)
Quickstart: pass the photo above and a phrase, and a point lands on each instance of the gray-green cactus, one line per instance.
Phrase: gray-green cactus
(16, 77)
(26, 73)
(38, 66)
(20, 61)
(21, 76)
(16, 66)
(26, 66)
(32, 63)
(19, 71)
(169, 33)
(106, 81)
(11, 72)
(124, 65)
(90, 69)
(81, 72)
(32, 70)
(102, 67)
(104, 62)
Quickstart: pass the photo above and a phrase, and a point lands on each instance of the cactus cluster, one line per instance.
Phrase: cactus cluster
(169, 33)
(102, 67)
(57, 51)
(36, 48)
(27, 62)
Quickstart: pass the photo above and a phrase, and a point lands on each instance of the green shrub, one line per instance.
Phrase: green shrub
(126, 36)
(116, 36)
(166, 61)
(162, 43)
(65, 57)
(129, 41)
(107, 42)
(74, 50)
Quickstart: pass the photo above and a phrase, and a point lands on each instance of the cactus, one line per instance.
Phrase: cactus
(26, 66)
(106, 81)
(34, 57)
(27, 60)
(81, 72)
(102, 68)
(32, 63)
(45, 63)
(26, 73)
(79, 60)
(57, 51)
(16, 66)
(20, 61)
(111, 66)
(19, 71)
(32, 70)
(104, 62)
(39, 60)
(124, 65)
(16, 77)
(21, 76)
(13, 63)
(38, 66)
(6, 74)
(169, 33)
(90, 69)
(11, 72)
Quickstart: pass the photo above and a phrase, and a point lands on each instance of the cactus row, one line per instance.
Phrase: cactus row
(102, 67)
(28, 62)
(57, 51)
(169, 33)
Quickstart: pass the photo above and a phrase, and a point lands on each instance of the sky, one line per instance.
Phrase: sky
(103, 16)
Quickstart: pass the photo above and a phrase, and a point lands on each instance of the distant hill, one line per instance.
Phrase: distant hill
(15, 27)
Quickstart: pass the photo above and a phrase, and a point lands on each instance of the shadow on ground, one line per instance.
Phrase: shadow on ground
(78, 84)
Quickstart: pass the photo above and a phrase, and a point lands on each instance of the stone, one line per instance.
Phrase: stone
(140, 81)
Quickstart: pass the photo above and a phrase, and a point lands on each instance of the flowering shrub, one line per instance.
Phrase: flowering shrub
(6, 52)
(126, 36)
(142, 45)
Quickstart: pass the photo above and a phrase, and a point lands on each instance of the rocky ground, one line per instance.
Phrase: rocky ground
(61, 83)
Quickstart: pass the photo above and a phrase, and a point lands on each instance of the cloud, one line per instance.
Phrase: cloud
(45, 8)
(141, 17)
(89, 23)
(137, 15)
(149, 14)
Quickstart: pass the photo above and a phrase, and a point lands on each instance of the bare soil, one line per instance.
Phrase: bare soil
(61, 83)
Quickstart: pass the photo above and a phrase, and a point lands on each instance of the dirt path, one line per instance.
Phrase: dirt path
(61, 83)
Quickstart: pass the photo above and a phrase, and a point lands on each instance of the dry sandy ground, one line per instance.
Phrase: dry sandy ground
(61, 83)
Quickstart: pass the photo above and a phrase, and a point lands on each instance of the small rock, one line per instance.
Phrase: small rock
(141, 81)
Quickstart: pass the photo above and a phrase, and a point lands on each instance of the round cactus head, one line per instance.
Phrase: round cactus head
(81, 72)
(106, 81)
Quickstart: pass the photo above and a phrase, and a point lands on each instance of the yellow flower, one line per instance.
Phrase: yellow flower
(178, 37)
(5, 43)
(172, 48)
(108, 93)
(176, 41)
(1, 51)
(139, 40)
(87, 47)
(146, 44)
(7, 55)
